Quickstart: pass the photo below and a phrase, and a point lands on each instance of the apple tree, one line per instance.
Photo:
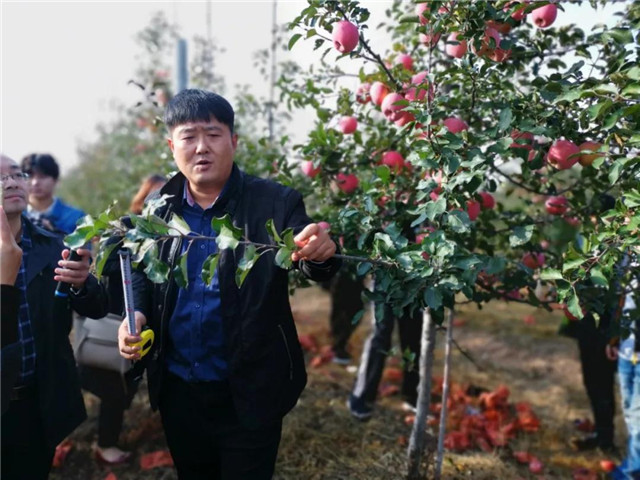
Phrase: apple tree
(475, 154)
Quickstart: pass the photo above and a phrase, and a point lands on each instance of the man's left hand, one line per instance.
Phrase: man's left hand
(314, 244)
(73, 272)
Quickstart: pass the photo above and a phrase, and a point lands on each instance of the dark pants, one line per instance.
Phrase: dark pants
(115, 394)
(25, 454)
(374, 355)
(598, 376)
(346, 301)
(205, 437)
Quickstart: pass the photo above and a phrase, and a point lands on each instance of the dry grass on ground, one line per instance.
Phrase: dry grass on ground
(321, 441)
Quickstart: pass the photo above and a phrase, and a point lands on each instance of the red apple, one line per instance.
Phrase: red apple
(522, 140)
(455, 125)
(501, 27)
(345, 36)
(405, 117)
(544, 16)
(607, 465)
(419, 91)
(308, 169)
(533, 260)
(573, 221)
(362, 93)
(394, 160)
(405, 60)
(536, 466)
(347, 182)
(473, 209)
(488, 202)
(421, 9)
(586, 159)
(522, 456)
(392, 105)
(324, 225)
(519, 13)
(348, 124)
(378, 91)
(429, 39)
(563, 154)
(455, 48)
(556, 205)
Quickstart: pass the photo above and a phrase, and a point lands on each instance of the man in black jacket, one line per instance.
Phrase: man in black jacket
(45, 399)
(226, 366)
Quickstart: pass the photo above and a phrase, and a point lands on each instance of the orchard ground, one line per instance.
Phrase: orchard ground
(322, 441)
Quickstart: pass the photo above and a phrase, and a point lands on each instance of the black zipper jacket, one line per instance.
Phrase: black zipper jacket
(266, 364)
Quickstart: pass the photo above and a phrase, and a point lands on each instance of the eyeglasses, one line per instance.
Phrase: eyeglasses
(18, 177)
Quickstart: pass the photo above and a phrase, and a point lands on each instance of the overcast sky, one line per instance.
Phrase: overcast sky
(63, 63)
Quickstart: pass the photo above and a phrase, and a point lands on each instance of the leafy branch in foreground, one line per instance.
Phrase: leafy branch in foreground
(147, 231)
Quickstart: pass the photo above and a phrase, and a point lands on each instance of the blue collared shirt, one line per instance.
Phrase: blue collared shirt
(197, 350)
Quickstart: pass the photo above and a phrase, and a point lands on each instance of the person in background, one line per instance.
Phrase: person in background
(226, 366)
(114, 391)
(149, 185)
(626, 320)
(44, 207)
(45, 399)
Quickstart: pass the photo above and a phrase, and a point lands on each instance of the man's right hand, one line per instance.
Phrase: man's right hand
(611, 351)
(125, 340)
(10, 252)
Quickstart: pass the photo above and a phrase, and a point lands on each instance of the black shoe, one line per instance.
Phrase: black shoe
(360, 412)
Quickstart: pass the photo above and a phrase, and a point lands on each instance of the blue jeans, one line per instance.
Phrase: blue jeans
(629, 376)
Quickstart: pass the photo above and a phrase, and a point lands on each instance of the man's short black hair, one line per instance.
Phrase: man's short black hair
(41, 163)
(194, 105)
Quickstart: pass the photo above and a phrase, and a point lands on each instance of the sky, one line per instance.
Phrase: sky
(64, 64)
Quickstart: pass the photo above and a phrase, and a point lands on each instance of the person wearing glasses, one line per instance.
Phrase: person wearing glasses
(45, 401)
(44, 207)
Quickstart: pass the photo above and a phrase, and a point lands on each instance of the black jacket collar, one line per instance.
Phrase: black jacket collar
(228, 200)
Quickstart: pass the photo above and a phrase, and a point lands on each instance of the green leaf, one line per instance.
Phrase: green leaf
(288, 238)
(599, 109)
(614, 172)
(271, 228)
(103, 255)
(209, 268)
(573, 304)
(227, 238)
(79, 237)
(458, 221)
(157, 271)
(520, 235)
(598, 278)
(550, 274)
(572, 264)
(283, 258)
(433, 298)
(631, 90)
(293, 40)
(180, 273)
(246, 263)
(433, 209)
(384, 173)
(364, 268)
(506, 116)
(177, 223)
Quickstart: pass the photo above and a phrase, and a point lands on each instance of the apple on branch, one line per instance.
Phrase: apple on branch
(308, 169)
(348, 124)
(455, 125)
(394, 160)
(378, 91)
(347, 182)
(392, 106)
(455, 47)
(563, 154)
(586, 159)
(345, 36)
(362, 93)
(556, 205)
(544, 16)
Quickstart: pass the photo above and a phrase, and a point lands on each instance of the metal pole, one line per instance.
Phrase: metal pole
(182, 70)
(274, 41)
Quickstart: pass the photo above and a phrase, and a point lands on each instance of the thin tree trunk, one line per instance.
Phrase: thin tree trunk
(419, 434)
(445, 395)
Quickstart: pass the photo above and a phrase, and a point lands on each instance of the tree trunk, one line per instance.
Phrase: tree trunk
(445, 395)
(419, 434)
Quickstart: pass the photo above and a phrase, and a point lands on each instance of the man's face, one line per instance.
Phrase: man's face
(203, 152)
(42, 186)
(15, 190)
